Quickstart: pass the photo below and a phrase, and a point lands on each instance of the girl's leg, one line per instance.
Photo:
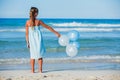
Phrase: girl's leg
(40, 62)
(32, 62)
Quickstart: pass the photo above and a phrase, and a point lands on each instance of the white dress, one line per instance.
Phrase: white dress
(37, 48)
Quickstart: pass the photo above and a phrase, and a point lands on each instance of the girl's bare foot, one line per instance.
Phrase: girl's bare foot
(40, 71)
(32, 71)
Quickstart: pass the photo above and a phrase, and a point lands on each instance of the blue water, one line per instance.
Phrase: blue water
(98, 37)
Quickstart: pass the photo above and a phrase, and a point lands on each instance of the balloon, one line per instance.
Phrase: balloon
(71, 50)
(76, 44)
(73, 35)
(63, 40)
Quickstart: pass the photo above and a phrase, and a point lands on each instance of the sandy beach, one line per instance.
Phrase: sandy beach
(73, 69)
(61, 75)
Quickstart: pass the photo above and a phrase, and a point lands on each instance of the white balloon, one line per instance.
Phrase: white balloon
(63, 40)
(71, 50)
(76, 44)
(73, 35)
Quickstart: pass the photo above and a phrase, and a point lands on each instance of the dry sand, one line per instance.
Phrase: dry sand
(61, 75)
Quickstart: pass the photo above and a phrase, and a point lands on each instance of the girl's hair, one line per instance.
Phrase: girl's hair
(33, 10)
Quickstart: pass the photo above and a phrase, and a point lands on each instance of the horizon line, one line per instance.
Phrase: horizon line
(53, 18)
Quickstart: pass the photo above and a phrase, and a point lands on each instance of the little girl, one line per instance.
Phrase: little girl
(34, 38)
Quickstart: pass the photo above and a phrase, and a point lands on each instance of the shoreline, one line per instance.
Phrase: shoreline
(54, 64)
(61, 75)
(61, 60)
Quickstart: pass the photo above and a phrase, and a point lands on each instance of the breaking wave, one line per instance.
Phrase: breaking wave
(103, 58)
(85, 24)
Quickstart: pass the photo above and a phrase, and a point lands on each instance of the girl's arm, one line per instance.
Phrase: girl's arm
(49, 28)
(27, 39)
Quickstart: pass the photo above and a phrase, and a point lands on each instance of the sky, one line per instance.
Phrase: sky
(92, 9)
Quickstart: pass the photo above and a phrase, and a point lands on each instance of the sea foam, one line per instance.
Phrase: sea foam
(85, 24)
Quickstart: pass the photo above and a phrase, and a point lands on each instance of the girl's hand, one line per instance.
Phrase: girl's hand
(58, 35)
(28, 45)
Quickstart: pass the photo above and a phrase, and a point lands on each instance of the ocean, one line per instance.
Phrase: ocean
(99, 40)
